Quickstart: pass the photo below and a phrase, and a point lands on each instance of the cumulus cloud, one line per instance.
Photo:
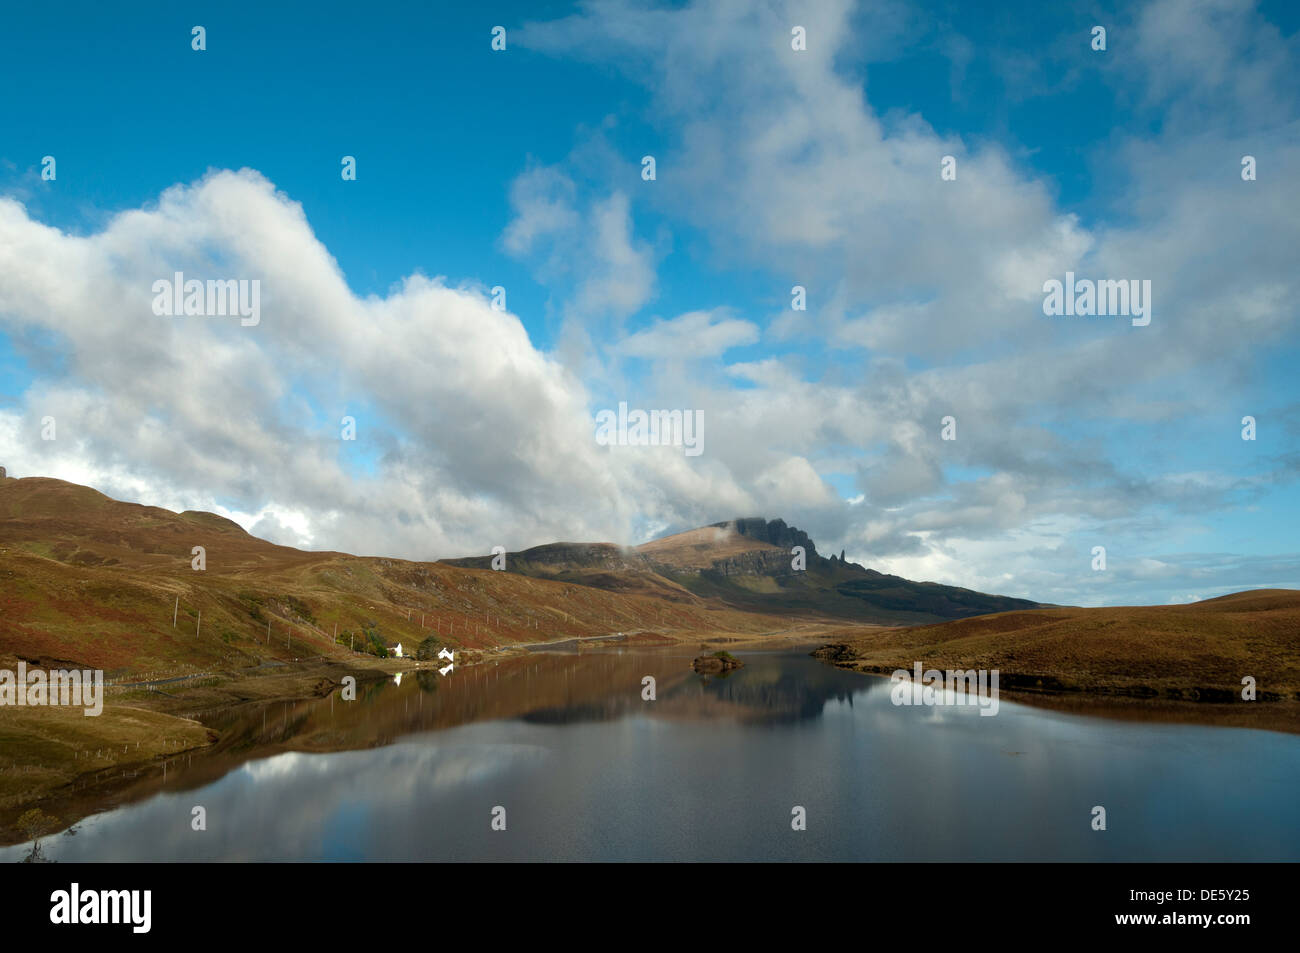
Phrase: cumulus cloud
(467, 435)
(786, 166)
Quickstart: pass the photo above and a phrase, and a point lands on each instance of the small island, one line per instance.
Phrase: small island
(716, 664)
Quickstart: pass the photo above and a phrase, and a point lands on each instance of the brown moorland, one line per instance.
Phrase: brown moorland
(91, 582)
(1196, 652)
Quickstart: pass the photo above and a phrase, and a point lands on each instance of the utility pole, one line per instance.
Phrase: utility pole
(175, 609)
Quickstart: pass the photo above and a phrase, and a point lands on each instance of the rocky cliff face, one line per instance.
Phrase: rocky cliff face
(765, 562)
(774, 532)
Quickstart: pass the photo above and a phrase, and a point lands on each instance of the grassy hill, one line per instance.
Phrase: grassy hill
(88, 581)
(1197, 652)
(93, 581)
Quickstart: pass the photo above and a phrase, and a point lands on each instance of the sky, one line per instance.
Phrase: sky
(502, 269)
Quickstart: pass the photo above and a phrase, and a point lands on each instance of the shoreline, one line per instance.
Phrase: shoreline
(53, 753)
(58, 758)
(1132, 701)
(61, 760)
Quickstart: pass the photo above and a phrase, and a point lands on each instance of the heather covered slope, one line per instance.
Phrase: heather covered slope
(1199, 651)
(747, 564)
(90, 580)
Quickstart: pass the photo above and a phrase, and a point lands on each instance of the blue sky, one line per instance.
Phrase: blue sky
(775, 167)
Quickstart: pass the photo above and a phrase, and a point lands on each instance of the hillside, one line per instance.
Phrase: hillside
(746, 564)
(1198, 652)
(93, 581)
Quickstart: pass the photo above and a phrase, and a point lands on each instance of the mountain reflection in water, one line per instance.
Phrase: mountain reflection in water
(710, 770)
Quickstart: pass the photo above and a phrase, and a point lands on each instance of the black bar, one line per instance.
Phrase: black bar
(337, 902)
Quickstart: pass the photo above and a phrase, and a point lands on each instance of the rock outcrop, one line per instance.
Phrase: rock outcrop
(773, 532)
(716, 664)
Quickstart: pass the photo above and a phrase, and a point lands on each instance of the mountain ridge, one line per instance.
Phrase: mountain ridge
(750, 563)
(88, 579)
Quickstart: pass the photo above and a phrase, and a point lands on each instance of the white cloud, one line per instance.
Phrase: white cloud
(473, 437)
(591, 245)
(696, 334)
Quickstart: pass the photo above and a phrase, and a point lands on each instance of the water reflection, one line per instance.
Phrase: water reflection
(711, 769)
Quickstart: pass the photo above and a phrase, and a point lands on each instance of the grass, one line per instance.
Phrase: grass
(44, 749)
(96, 582)
(1196, 652)
(90, 582)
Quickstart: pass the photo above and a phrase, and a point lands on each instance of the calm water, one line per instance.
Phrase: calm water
(587, 770)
